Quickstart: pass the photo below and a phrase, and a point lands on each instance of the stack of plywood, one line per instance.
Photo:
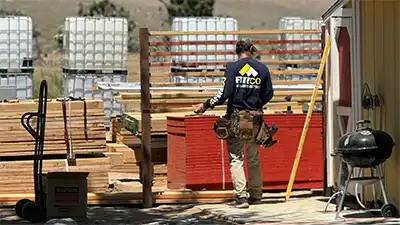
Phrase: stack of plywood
(17, 145)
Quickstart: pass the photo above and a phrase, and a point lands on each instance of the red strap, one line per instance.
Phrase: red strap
(66, 138)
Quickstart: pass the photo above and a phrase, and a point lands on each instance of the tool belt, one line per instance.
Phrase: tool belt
(222, 128)
(246, 125)
(265, 134)
(240, 124)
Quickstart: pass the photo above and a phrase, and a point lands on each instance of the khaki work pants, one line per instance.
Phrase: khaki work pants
(236, 161)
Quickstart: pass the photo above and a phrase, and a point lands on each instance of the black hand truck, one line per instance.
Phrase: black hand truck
(35, 211)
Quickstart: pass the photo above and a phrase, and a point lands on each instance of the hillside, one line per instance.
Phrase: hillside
(48, 15)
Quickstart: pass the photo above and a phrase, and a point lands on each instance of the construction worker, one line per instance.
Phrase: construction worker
(247, 87)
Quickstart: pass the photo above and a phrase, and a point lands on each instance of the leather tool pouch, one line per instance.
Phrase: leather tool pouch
(265, 134)
(243, 124)
(222, 128)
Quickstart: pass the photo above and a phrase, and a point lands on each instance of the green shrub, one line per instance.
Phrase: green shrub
(54, 83)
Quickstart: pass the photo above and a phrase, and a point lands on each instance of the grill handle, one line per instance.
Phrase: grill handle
(363, 124)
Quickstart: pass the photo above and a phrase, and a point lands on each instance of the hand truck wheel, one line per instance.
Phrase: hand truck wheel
(19, 206)
(32, 212)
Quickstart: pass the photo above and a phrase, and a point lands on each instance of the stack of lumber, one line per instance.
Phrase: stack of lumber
(159, 124)
(120, 135)
(17, 145)
(125, 137)
(126, 162)
(163, 100)
(16, 141)
(16, 176)
(159, 120)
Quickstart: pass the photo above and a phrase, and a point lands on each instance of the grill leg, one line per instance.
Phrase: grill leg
(342, 177)
(379, 172)
(374, 190)
(331, 198)
(344, 192)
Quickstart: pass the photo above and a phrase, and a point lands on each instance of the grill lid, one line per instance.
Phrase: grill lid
(361, 140)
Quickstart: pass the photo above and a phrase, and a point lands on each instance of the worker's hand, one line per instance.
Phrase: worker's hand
(199, 108)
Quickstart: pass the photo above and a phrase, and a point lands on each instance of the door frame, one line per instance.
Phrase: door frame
(343, 17)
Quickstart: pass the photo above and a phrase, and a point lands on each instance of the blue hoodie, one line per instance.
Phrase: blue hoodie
(247, 86)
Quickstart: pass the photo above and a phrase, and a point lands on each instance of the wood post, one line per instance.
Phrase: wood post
(146, 117)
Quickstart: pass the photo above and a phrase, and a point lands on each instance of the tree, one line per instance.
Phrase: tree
(188, 8)
(36, 32)
(107, 8)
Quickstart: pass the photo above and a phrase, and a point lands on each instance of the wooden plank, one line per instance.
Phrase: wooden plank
(224, 63)
(239, 32)
(221, 73)
(136, 198)
(31, 106)
(261, 52)
(188, 102)
(308, 118)
(255, 41)
(116, 158)
(203, 84)
(202, 94)
(220, 108)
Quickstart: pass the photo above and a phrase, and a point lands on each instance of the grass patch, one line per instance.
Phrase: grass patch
(54, 83)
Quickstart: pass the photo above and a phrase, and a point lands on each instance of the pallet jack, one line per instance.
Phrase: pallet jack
(35, 211)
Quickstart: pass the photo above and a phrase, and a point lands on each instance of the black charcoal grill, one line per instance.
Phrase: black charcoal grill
(365, 148)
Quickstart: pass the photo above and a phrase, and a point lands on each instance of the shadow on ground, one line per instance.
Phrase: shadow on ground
(122, 215)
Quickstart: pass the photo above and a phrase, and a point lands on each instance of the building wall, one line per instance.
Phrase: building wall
(380, 68)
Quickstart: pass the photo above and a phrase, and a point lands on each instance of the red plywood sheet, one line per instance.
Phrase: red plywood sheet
(196, 157)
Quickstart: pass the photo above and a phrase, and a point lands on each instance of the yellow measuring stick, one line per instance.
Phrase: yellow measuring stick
(308, 118)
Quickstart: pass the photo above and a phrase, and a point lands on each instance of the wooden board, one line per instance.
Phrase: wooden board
(203, 94)
(182, 107)
(162, 197)
(188, 102)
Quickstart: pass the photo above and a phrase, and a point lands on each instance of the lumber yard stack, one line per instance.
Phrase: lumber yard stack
(127, 146)
(17, 145)
(167, 104)
(126, 164)
(170, 101)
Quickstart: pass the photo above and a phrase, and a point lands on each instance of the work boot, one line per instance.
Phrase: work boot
(240, 203)
(254, 201)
